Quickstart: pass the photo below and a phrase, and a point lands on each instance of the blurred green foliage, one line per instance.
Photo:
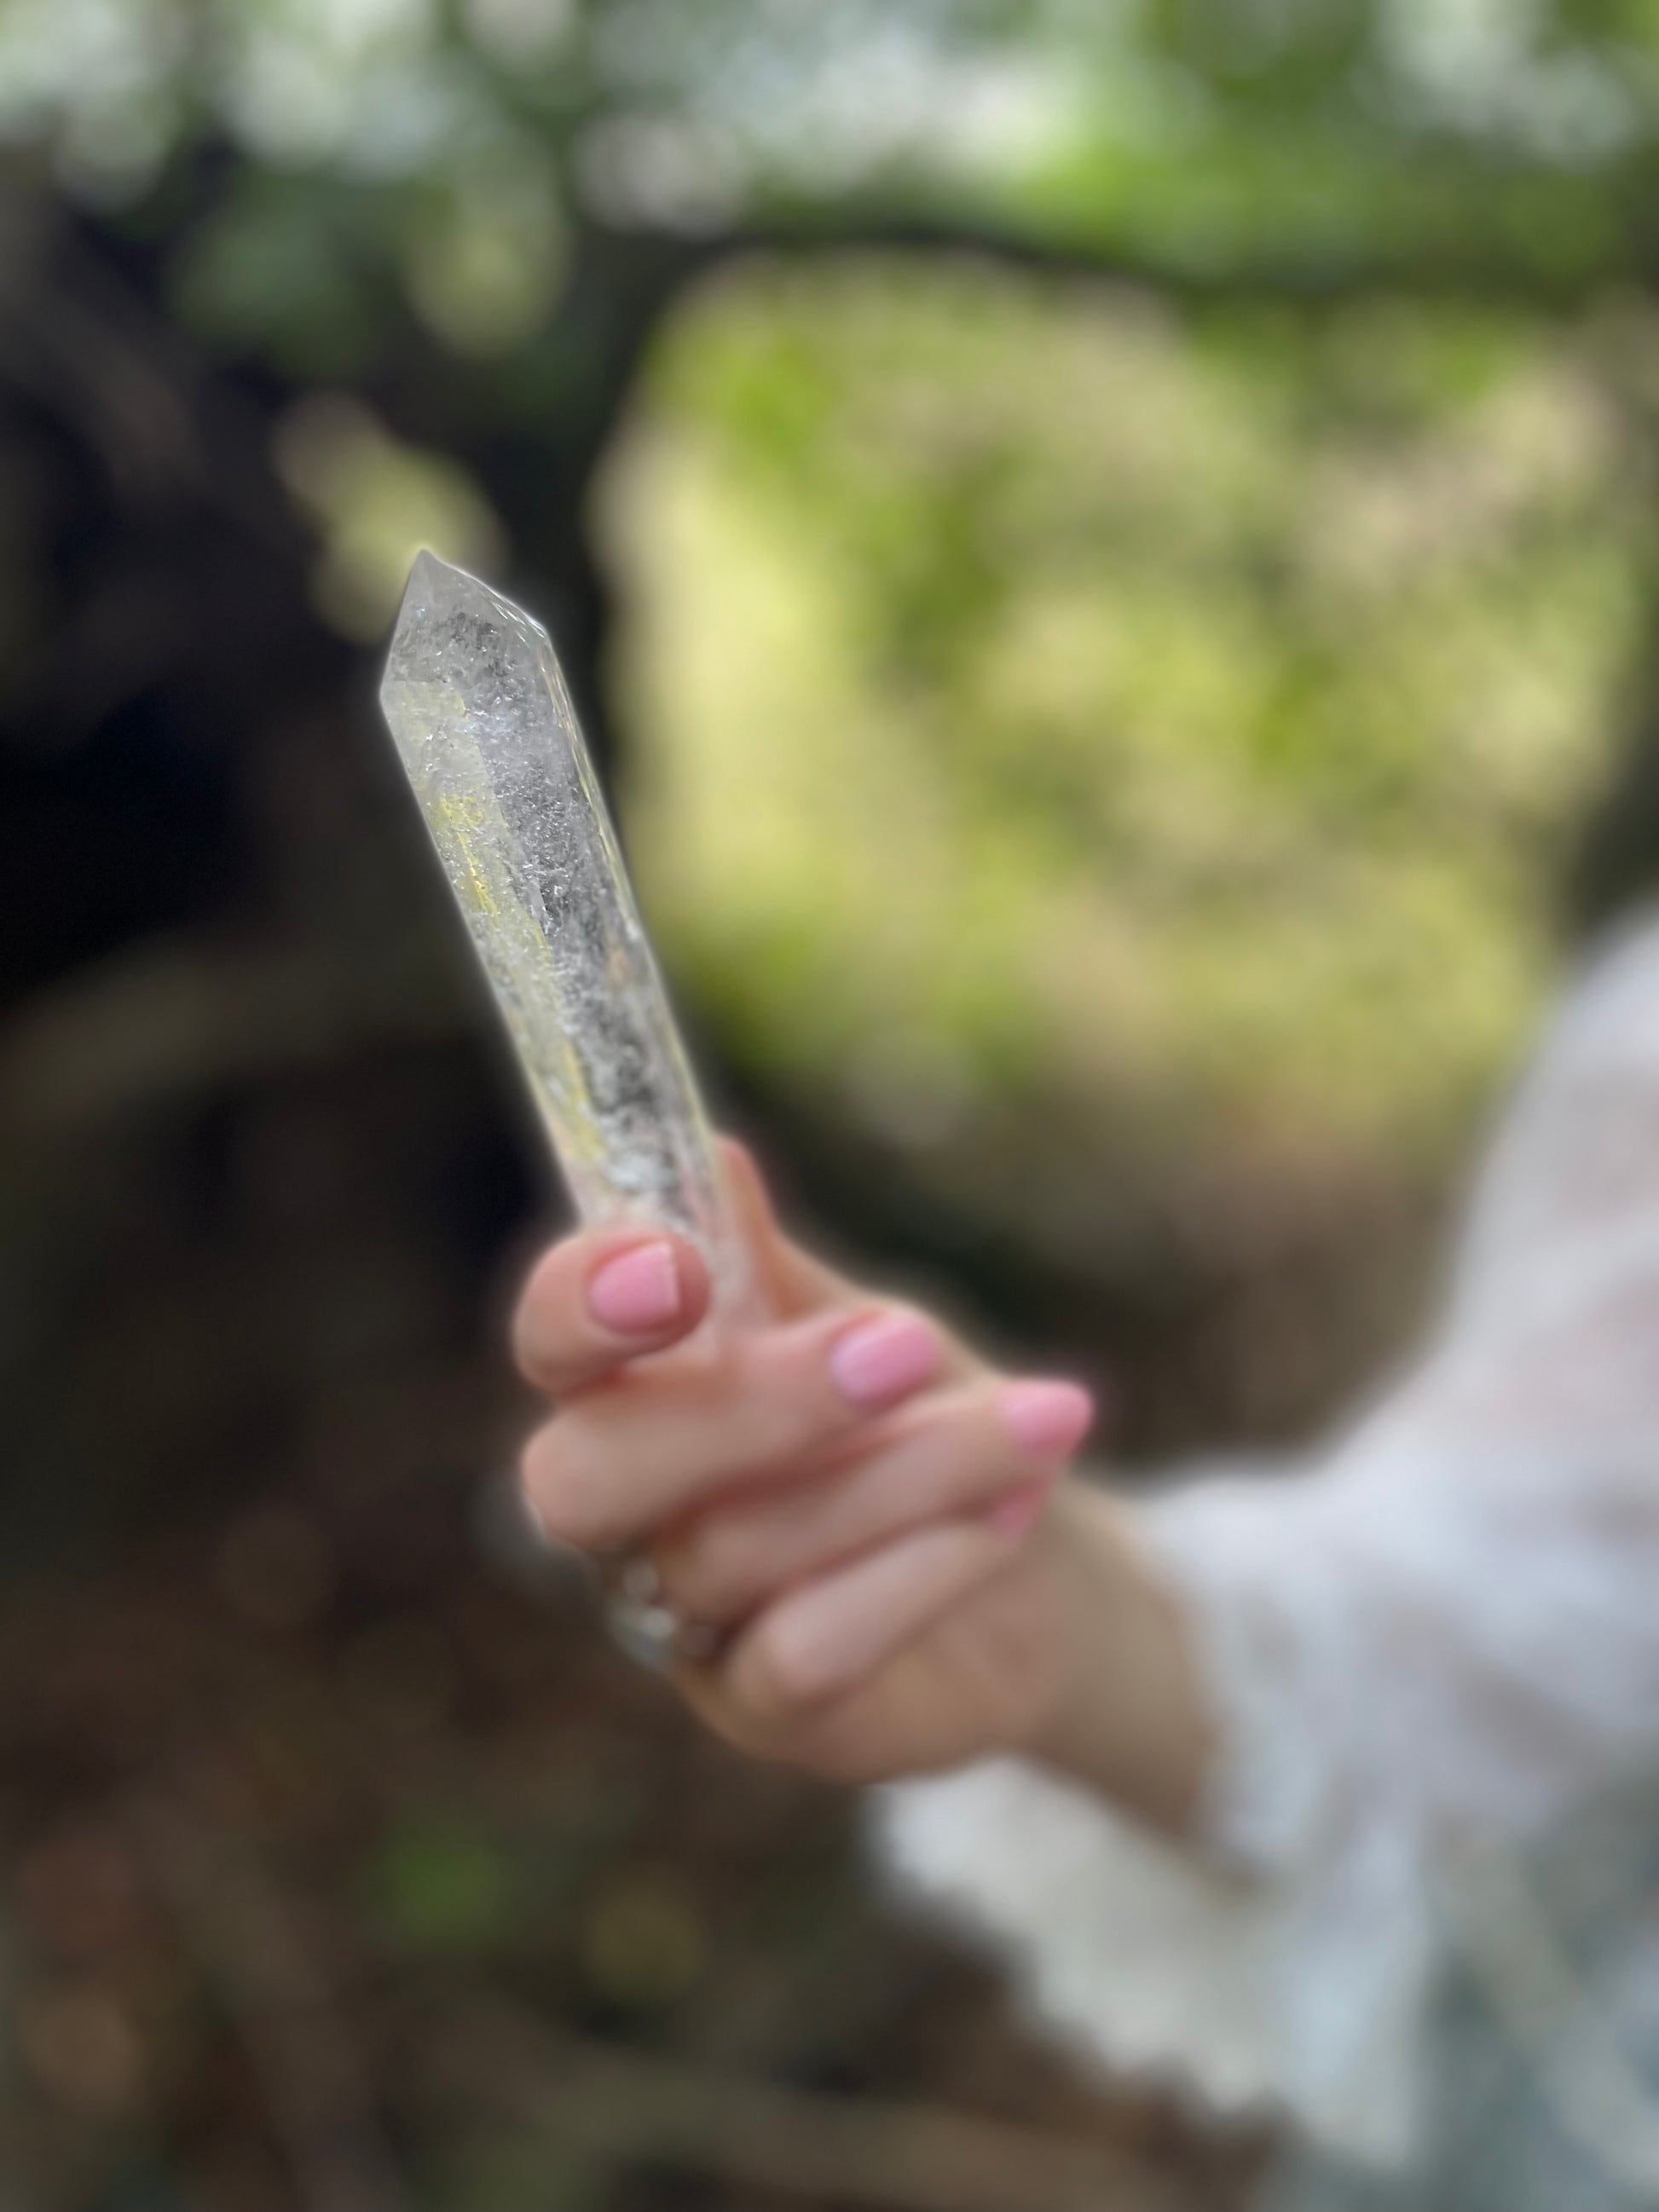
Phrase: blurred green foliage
(438, 1886)
(1162, 705)
(444, 151)
(1040, 696)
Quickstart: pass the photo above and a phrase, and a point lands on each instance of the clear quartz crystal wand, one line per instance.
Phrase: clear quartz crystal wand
(483, 724)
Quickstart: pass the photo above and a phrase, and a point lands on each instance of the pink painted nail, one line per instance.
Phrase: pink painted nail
(1011, 1516)
(879, 1362)
(1047, 1419)
(637, 1291)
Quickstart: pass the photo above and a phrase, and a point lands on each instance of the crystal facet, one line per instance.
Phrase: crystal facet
(483, 724)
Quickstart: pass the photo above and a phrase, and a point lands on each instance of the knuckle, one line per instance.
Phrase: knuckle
(542, 1285)
(708, 1574)
(784, 1677)
(781, 1407)
(538, 1352)
(526, 1339)
(570, 1492)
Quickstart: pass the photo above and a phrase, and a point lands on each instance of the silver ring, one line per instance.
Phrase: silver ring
(643, 1621)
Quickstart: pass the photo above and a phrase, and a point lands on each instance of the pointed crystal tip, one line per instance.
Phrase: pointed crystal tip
(454, 629)
(439, 583)
(436, 588)
(429, 576)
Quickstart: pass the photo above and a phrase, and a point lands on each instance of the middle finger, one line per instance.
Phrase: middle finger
(649, 1445)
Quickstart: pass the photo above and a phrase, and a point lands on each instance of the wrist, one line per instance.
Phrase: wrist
(1126, 1714)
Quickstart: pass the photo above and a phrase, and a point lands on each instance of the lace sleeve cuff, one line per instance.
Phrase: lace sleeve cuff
(1267, 1970)
(1146, 1958)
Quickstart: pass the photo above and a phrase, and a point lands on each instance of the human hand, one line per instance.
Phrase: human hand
(876, 1524)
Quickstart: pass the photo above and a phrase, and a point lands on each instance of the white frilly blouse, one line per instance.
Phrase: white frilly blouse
(1423, 1649)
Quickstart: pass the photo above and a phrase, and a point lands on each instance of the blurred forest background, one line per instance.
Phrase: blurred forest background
(1110, 551)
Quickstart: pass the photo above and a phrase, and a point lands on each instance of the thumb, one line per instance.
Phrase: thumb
(787, 1281)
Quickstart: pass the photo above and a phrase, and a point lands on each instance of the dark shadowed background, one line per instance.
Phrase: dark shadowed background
(1109, 554)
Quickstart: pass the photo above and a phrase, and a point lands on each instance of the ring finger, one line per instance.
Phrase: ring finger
(952, 1456)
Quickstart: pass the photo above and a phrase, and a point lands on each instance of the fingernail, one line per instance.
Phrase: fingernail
(1047, 1419)
(880, 1362)
(637, 1290)
(1011, 1516)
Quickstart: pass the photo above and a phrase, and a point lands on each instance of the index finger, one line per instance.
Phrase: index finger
(602, 1298)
